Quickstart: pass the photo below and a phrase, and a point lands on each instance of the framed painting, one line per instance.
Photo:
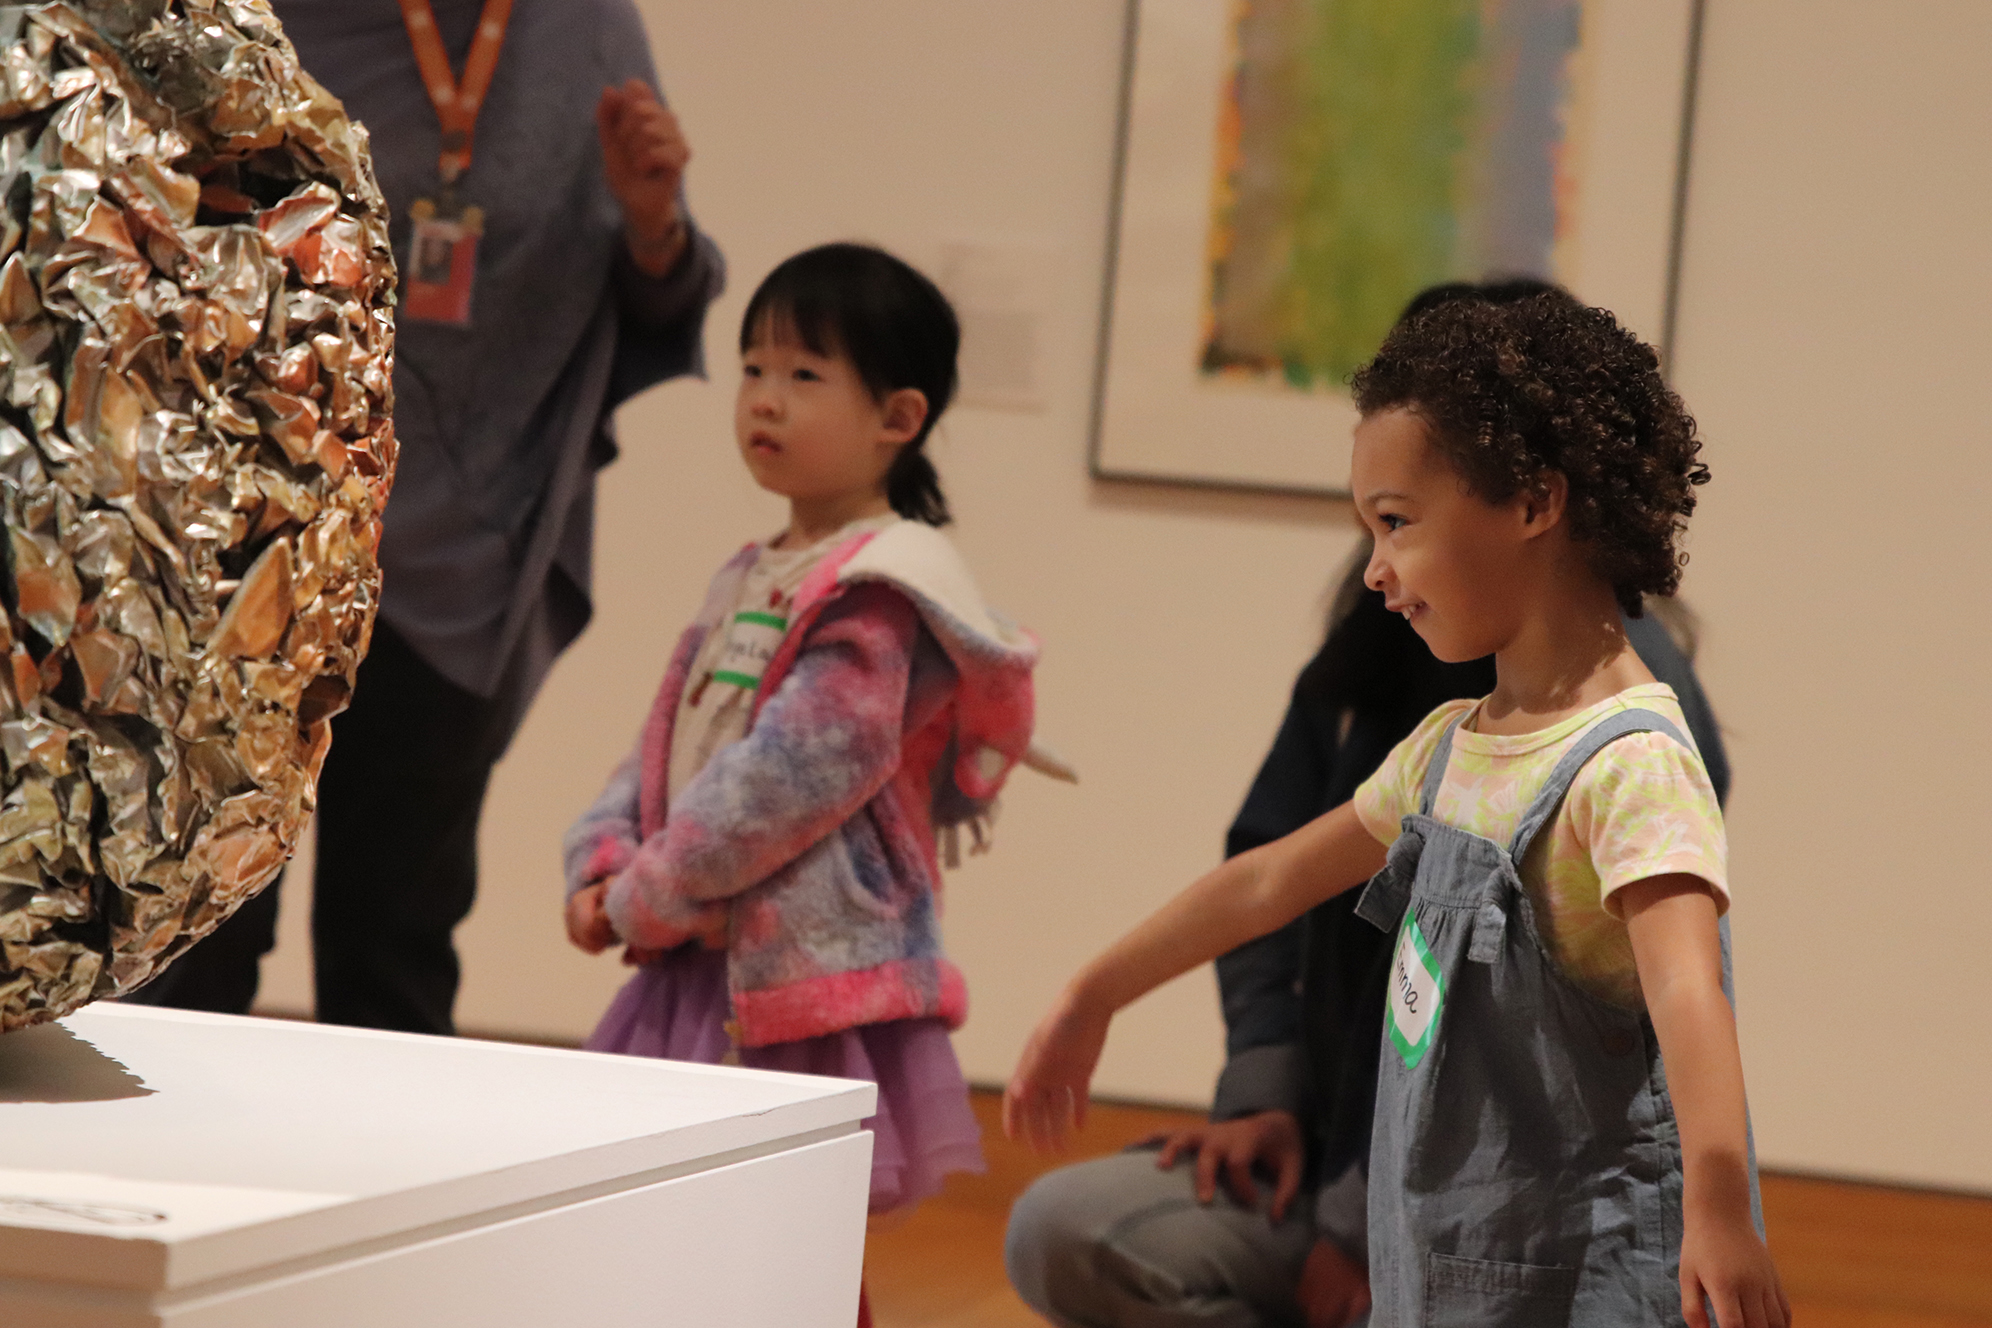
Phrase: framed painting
(1291, 172)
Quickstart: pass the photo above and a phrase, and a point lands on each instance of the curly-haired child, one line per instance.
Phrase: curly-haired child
(1560, 1133)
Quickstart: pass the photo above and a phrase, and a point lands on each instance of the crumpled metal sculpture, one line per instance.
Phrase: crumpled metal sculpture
(196, 341)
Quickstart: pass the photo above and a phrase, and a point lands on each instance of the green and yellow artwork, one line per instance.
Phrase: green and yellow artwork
(1370, 148)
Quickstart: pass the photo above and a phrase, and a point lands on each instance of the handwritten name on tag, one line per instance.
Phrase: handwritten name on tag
(1417, 989)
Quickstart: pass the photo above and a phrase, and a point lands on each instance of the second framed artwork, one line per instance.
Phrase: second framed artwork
(1291, 172)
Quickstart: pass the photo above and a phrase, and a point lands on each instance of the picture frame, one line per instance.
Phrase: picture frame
(1171, 403)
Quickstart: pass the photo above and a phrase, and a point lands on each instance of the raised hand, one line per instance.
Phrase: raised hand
(644, 154)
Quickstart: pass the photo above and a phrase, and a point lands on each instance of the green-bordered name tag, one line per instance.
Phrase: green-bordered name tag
(750, 643)
(1416, 991)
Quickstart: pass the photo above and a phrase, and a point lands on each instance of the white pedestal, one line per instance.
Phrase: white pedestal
(159, 1168)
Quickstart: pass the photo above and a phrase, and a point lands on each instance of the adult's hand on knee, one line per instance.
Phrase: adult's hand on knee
(1334, 1288)
(1269, 1140)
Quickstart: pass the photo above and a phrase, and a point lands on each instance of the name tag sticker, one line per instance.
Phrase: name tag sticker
(1416, 992)
(750, 646)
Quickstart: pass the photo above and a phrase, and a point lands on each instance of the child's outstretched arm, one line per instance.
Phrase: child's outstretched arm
(1676, 945)
(1250, 895)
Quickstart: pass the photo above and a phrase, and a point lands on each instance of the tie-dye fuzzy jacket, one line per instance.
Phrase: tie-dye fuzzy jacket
(896, 701)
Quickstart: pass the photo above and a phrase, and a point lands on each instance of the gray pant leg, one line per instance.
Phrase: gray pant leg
(1117, 1243)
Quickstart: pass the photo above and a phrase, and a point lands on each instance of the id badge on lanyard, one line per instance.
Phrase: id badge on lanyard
(441, 263)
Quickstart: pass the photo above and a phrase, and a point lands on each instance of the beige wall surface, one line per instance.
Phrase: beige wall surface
(1836, 321)
(1832, 321)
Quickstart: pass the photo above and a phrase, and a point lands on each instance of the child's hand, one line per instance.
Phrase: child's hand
(1724, 1261)
(708, 927)
(1047, 1092)
(587, 925)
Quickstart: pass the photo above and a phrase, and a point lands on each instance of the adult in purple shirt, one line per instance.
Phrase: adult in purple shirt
(592, 283)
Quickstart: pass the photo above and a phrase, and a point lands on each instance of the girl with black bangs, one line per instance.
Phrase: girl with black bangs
(768, 854)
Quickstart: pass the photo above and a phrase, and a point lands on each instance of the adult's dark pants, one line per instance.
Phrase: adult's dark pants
(398, 806)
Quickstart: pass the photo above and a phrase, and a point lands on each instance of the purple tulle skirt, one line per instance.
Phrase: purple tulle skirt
(676, 1009)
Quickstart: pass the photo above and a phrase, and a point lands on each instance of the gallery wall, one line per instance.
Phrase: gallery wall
(1831, 328)
(1833, 342)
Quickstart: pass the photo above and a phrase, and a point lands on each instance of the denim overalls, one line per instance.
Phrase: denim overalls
(1525, 1168)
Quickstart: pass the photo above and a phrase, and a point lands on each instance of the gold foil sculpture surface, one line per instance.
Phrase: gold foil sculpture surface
(196, 341)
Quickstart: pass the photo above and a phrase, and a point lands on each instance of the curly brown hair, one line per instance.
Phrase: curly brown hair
(1513, 392)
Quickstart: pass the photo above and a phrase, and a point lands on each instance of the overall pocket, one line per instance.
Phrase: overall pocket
(1480, 1293)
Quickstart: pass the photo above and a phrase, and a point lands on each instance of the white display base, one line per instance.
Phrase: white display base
(160, 1168)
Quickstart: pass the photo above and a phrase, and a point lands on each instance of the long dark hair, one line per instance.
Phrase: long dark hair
(892, 324)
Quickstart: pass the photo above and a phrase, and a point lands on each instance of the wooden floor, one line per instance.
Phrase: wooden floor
(1852, 1256)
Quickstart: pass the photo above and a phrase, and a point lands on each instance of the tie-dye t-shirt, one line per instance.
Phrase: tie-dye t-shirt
(1641, 807)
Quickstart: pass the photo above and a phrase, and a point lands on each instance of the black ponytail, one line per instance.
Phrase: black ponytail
(913, 486)
(895, 327)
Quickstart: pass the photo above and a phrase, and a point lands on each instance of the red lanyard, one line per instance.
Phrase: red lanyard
(456, 103)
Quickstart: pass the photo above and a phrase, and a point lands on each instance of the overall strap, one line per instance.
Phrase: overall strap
(1388, 893)
(1490, 923)
(1594, 739)
(1435, 772)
